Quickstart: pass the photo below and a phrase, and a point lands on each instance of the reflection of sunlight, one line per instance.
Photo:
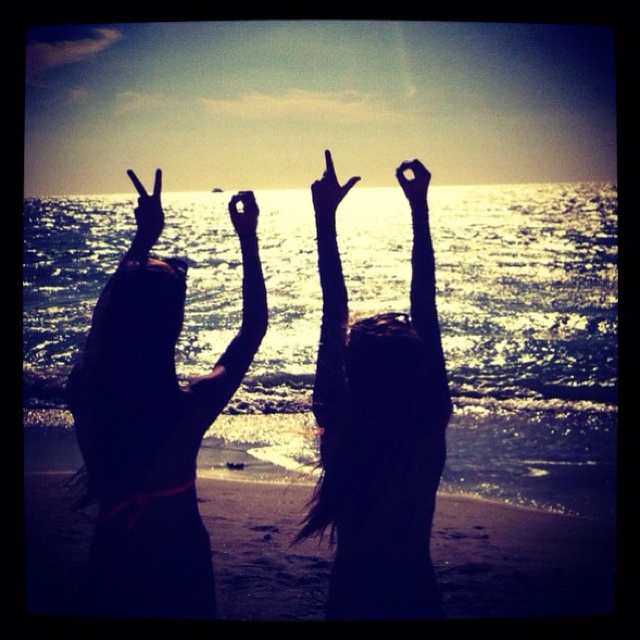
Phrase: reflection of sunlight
(538, 324)
(204, 212)
(536, 473)
(457, 343)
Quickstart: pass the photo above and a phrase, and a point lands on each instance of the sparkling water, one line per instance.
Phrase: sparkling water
(527, 281)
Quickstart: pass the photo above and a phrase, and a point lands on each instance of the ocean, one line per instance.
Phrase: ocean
(527, 280)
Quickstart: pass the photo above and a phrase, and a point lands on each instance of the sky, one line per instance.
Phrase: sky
(254, 104)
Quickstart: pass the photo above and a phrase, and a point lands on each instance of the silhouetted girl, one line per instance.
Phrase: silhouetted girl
(139, 430)
(381, 400)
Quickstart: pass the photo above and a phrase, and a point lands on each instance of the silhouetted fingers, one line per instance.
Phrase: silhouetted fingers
(416, 168)
(402, 179)
(246, 198)
(406, 165)
(233, 203)
(329, 162)
(350, 183)
(157, 185)
(136, 183)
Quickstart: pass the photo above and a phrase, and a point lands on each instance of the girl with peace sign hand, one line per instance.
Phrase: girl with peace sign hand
(139, 430)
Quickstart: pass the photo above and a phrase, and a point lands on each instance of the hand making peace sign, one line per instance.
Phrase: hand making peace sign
(149, 215)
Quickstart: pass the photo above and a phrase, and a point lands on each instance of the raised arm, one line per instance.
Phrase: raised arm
(149, 219)
(424, 314)
(329, 387)
(214, 390)
(254, 295)
(149, 225)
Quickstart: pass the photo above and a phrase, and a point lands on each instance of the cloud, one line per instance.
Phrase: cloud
(43, 56)
(347, 106)
(135, 101)
(79, 95)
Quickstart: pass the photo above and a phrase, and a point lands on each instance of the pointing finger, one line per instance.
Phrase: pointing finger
(329, 161)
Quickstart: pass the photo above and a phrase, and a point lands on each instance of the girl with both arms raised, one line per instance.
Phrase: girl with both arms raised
(382, 402)
(139, 430)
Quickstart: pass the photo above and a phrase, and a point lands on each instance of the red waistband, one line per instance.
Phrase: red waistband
(137, 503)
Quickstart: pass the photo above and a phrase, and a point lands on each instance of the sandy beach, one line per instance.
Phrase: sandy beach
(494, 561)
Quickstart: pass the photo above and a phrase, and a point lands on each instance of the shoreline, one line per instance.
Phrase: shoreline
(230, 451)
(494, 561)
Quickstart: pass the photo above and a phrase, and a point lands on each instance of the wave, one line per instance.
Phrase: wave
(44, 388)
(290, 393)
(590, 392)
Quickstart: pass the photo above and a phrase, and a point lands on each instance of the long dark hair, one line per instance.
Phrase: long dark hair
(385, 374)
(124, 394)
